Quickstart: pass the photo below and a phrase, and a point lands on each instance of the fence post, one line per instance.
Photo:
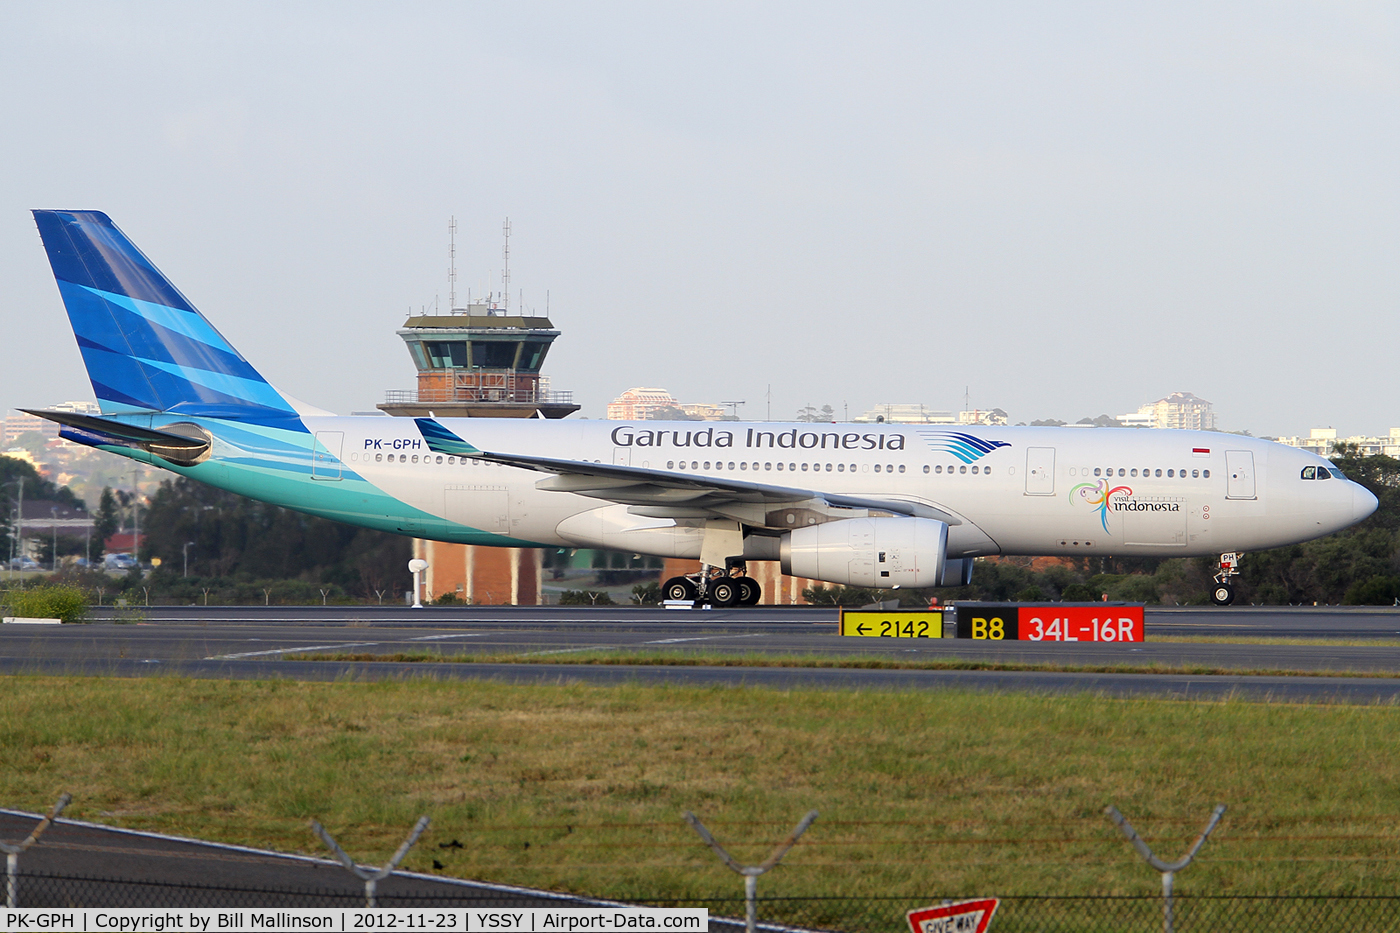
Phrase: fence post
(751, 872)
(1168, 869)
(12, 851)
(371, 876)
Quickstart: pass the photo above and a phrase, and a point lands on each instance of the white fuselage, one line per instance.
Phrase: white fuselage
(1039, 491)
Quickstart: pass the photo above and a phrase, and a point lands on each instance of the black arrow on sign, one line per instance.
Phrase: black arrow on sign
(860, 629)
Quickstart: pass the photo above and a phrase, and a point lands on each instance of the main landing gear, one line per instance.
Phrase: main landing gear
(715, 587)
(1222, 593)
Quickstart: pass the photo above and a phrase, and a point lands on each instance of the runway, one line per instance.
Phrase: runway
(254, 642)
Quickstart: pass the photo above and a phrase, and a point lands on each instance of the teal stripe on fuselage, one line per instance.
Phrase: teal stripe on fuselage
(273, 465)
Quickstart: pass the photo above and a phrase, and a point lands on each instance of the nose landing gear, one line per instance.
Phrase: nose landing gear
(1223, 592)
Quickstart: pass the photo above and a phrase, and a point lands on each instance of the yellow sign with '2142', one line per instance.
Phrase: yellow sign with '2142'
(871, 623)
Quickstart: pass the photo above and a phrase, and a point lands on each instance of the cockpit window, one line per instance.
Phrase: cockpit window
(1322, 473)
(1309, 472)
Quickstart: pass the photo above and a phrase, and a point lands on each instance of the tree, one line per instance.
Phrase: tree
(824, 415)
(107, 521)
(670, 413)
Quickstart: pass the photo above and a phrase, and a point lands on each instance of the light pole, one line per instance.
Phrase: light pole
(186, 552)
(17, 537)
(53, 527)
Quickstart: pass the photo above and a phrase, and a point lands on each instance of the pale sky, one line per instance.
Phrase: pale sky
(1068, 208)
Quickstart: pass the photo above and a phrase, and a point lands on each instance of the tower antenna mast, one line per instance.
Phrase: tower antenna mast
(452, 265)
(505, 268)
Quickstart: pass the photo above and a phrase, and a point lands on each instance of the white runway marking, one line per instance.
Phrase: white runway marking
(254, 654)
(348, 644)
(676, 641)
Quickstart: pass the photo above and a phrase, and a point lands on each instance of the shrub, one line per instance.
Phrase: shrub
(67, 603)
(1077, 593)
(1377, 591)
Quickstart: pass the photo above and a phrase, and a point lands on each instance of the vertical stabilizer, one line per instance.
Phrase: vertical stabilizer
(145, 346)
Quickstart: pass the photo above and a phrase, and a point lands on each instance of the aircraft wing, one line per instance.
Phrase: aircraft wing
(667, 494)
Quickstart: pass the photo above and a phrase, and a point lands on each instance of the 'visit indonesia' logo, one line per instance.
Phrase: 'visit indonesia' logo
(1097, 495)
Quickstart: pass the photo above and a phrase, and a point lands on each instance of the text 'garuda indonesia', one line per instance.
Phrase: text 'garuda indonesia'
(794, 439)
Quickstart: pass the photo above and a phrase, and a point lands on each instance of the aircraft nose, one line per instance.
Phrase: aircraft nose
(1363, 503)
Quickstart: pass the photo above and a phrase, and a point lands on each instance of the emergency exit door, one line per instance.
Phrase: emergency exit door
(1239, 474)
(325, 455)
(1040, 471)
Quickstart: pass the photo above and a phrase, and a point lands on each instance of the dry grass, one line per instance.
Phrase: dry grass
(581, 788)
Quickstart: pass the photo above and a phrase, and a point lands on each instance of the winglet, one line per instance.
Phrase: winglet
(442, 441)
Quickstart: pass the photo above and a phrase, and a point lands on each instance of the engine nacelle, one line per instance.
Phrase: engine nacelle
(874, 552)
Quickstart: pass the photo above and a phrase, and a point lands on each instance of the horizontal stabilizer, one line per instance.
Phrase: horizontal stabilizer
(189, 446)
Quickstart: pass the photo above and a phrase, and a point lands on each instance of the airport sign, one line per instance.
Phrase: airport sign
(962, 917)
(1060, 622)
(875, 623)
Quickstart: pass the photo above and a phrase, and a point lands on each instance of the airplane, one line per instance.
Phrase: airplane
(868, 505)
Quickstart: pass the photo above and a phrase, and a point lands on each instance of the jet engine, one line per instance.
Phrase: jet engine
(873, 552)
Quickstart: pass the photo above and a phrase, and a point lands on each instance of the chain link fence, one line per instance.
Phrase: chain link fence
(1037, 914)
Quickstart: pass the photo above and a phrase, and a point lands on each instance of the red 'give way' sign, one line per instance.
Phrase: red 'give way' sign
(962, 917)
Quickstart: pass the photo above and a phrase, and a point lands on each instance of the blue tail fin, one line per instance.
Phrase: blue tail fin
(145, 346)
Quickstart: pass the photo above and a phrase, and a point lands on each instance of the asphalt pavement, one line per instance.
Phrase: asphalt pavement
(259, 642)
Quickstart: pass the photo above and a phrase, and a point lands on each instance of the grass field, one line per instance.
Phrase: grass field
(581, 788)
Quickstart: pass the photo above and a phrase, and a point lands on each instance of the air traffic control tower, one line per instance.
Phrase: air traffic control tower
(479, 362)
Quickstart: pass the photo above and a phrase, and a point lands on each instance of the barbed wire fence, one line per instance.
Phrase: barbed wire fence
(844, 914)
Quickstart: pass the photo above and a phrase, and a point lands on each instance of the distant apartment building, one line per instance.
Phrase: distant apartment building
(1324, 442)
(978, 416)
(1180, 410)
(643, 403)
(913, 413)
(905, 413)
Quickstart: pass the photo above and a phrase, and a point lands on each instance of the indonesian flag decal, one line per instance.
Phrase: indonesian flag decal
(1200, 451)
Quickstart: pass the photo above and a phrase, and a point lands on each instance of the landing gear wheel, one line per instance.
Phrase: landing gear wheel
(1222, 594)
(749, 591)
(724, 593)
(679, 588)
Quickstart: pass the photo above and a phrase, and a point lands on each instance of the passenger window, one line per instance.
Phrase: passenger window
(743, 466)
(841, 467)
(1195, 474)
(938, 469)
(1159, 474)
(962, 469)
(769, 466)
(987, 470)
(415, 458)
(378, 457)
(804, 468)
(974, 469)
(439, 459)
(707, 464)
(901, 468)
(877, 468)
(828, 468)
(1169, 474)
(1097, 471)
(1205, 473)
(1132, 473)
(926, 468)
